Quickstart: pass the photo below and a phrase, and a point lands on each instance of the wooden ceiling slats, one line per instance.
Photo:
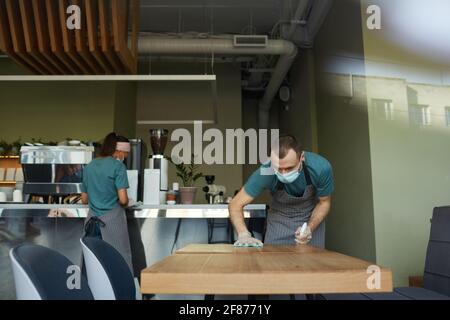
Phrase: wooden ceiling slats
(105, 36)
(30, 36)
(6, 45)
(35, 35)
(55, 35)
(135, 9)
(43, 38)
(81, 41)
(120, 34)
(93, 36)
(69, 40)
(17, 36)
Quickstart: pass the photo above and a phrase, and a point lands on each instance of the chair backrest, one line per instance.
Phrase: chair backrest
(437, 264)
(108, 273)
(41, 273)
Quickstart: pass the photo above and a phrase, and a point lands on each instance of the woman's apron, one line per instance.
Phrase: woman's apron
(114, 231)
(288, 213)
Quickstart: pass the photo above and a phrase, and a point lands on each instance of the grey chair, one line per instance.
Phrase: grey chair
(41, 273)
(108, 274)
(436, 278)
(437, 264)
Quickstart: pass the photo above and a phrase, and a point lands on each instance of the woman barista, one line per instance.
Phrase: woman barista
(104, 188)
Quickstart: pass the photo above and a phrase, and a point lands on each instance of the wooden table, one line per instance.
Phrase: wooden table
(224, 269)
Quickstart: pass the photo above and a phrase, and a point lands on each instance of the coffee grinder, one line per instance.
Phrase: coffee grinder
(157, 175)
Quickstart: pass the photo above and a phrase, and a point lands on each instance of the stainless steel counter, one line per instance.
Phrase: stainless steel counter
(144, 211)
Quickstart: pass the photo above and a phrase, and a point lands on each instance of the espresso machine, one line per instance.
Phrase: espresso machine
(156, 177)
(54, 173)
(214, 193)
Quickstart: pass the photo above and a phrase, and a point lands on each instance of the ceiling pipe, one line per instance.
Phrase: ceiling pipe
(299, 14)
(319, 11)
(282, 68)
(285, 49)
(284, 64)
(149, 45)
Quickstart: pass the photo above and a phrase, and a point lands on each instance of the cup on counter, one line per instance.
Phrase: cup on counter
(17, 196)
(2, 197)
(171, 198)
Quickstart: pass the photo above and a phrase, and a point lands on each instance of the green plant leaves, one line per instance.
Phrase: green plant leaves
(188, 173)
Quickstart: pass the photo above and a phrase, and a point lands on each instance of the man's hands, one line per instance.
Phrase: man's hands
(245, 239)
(318, 215)
(236, 209)
(303, 235)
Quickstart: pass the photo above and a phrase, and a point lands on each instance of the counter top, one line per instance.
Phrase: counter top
(142, 211)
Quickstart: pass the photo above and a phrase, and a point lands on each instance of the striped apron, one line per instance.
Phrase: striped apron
(114, 231)
(288, 213)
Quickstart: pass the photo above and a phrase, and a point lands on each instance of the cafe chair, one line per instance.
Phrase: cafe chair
(436, 278)
(41, 273)
(108, 274)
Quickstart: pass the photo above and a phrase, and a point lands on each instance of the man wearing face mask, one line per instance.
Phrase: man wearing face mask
(301, 184)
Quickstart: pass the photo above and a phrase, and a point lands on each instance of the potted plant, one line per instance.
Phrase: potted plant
(4, 148)
(15, 147)
(188, 173)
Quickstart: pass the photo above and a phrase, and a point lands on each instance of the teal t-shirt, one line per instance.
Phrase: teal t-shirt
(319, 170)
(102, 177)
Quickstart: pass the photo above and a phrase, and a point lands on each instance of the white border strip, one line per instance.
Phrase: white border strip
(165, 122)
(159, 77)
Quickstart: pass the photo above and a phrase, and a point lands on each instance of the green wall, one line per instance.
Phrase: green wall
(193, 100)
(298, 115)
(343, 136)
(8, 67)
(125, 108)
(410, 163)
(344, 141)
(390, 173)
(54, 111)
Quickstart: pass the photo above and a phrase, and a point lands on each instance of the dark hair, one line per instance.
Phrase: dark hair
(110, 144)
(287, 142)
(122, 139)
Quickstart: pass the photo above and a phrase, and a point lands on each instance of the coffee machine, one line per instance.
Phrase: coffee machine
(54, 172)
(156, 177)
(214, 193)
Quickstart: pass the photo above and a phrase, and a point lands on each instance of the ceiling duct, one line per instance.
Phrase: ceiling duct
(286, 50)
(250, 41)
(312, 14)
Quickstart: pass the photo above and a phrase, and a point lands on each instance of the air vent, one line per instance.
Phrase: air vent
(250, 41)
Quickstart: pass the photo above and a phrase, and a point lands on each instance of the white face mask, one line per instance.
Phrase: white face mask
(289, 177)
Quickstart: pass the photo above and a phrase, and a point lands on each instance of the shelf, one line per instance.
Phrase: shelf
(9, 157)
(8, 182)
